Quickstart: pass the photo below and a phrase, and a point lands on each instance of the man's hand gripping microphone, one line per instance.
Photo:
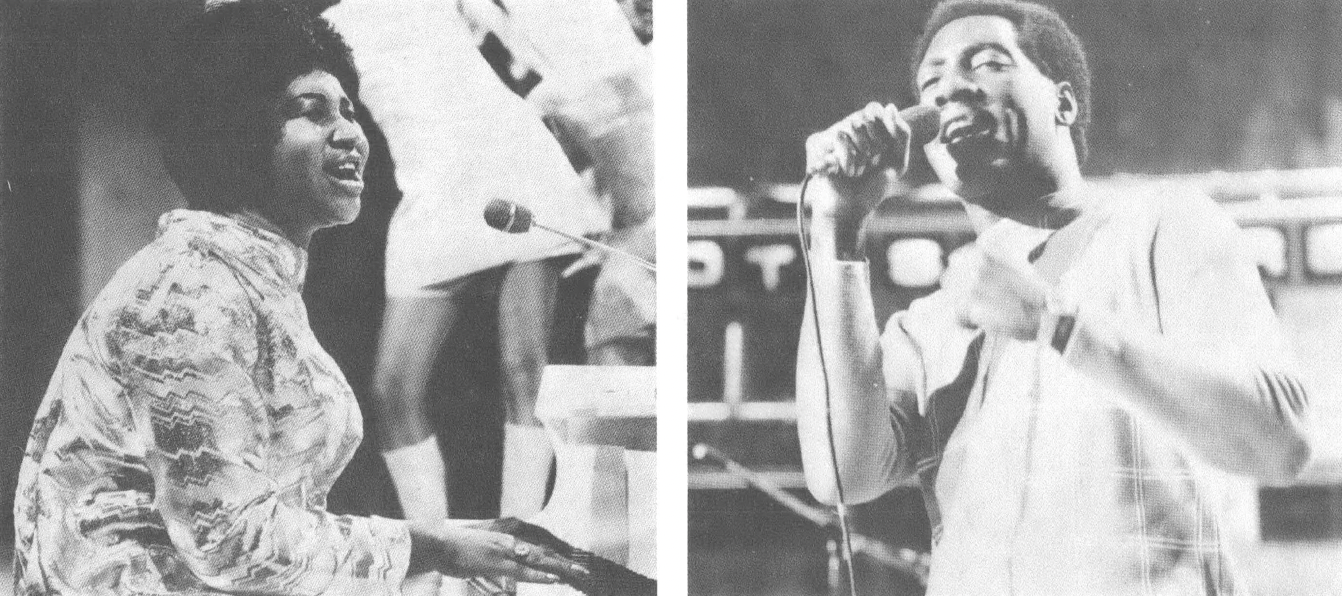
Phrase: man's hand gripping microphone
(877, 136)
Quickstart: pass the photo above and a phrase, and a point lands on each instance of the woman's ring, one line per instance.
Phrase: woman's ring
(521, 550)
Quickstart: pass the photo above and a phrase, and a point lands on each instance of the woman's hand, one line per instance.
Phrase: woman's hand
(463, 551)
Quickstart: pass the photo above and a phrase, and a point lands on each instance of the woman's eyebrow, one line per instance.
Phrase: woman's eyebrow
(311, 95)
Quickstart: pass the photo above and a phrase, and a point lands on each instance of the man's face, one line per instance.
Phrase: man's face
(999, 114)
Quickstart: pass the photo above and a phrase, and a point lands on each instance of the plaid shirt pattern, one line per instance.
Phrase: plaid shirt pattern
(1036, 481)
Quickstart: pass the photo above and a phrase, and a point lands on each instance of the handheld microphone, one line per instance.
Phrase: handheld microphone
(924, 125)
(507, 216)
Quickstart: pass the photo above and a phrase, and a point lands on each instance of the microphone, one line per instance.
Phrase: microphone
(906, 560)
(924, 125)
(507, 216)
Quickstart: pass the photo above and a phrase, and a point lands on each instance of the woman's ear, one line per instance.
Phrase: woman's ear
(1067, 111)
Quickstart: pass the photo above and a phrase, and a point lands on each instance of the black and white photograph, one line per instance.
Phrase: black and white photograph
(328, 297)
(1014, 297)
(982, 297)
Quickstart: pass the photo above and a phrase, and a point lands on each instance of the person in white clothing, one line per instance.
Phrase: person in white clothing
(460, 137)
(1072, 395)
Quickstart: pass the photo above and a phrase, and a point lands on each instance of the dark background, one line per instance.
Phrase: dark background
(1187, 86)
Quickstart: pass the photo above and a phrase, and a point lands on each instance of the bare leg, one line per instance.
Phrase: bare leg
(526, 322)
(413, 331)
(622, 317)
(527, 455)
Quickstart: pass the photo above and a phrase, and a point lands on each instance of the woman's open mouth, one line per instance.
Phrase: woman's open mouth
(347, 173)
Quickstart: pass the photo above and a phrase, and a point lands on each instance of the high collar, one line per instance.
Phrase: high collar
(269, 254)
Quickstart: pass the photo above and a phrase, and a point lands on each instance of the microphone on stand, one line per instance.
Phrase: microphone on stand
(507, 216)
(905, 560)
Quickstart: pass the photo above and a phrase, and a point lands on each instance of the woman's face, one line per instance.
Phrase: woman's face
(319, 159)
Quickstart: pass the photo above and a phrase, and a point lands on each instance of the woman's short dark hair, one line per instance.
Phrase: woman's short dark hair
(1044, 37)
(227, 68)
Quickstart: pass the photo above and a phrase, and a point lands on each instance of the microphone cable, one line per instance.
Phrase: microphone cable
(841, 507)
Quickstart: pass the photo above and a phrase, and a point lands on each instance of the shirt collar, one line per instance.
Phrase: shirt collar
(261, 250)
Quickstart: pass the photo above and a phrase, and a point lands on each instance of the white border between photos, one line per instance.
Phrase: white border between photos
(669, 51)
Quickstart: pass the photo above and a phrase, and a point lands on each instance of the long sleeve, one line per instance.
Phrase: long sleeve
(196, 364)
(863, 369)
(1218, 375)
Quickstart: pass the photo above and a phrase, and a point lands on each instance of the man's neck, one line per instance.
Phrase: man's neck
(1041, 208)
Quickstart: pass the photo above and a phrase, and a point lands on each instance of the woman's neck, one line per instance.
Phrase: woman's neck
(253, 217)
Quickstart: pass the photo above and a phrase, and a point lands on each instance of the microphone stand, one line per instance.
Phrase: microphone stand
(511, 218)
(594, 244)
(905, 560)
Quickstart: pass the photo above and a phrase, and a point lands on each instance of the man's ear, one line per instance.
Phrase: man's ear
(1067, 109)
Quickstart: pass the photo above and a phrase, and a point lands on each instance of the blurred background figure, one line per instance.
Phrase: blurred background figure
(543, 104)
(1238, 100)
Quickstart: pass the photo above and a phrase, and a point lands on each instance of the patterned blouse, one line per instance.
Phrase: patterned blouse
(191, 432)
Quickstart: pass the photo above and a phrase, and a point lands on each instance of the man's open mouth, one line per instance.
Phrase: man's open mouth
(969, 130)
